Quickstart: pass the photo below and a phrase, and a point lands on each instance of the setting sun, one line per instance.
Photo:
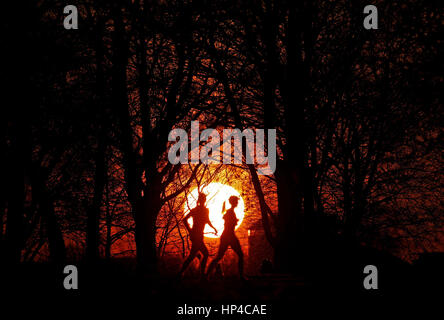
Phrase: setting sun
(216, 193)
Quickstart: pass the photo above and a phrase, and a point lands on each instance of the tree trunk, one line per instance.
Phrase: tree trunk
(109, 220)
(290, 244)
(147, 210)
(93, 218)
(100, 176)
(290, 227)
(15, 195)
(41, 196)
(56, 243)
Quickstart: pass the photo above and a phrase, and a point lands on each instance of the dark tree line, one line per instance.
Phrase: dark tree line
(88, 112)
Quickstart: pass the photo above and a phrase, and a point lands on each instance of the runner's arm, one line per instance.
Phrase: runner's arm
(211, 225)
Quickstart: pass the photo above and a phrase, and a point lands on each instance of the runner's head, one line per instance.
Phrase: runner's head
(201, 199)
(233, 200)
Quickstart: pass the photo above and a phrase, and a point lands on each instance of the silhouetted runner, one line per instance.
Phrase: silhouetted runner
(228, 238)
(200, 216)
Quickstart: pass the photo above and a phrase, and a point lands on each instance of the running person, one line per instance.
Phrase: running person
(200, 215)
(228, 238)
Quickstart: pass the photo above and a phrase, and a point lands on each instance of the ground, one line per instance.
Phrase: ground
(113, 288)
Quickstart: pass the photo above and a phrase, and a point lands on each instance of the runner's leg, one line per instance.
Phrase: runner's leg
(190, 258)
(203, 263)
(223, 246)
(235, 245)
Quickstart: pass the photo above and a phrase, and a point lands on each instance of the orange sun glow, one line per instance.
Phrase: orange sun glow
(217, 194)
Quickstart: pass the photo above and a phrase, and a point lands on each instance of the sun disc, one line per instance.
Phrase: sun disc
(217, 194)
